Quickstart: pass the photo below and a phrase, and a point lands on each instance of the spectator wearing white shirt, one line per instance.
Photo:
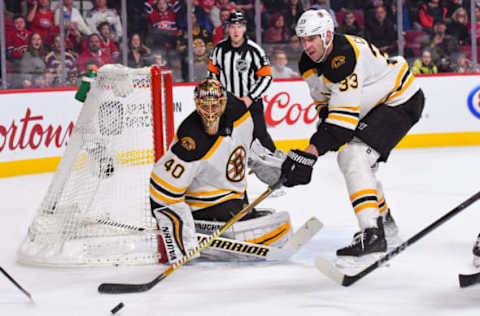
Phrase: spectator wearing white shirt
(101, 13)
(73, 16)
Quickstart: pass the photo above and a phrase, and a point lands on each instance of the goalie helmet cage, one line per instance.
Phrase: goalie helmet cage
(125, 125)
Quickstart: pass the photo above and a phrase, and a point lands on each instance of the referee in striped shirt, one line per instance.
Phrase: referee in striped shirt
(244, 70)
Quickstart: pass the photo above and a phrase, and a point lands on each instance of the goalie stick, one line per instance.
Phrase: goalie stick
(16, 284)
(269, 253)
(466, 280)
(117, 288)
(339, 277)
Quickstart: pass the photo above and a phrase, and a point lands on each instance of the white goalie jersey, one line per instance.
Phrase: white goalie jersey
(355, 78)
(200, 170)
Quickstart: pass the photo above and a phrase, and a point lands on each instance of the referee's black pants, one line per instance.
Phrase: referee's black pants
(260, 126)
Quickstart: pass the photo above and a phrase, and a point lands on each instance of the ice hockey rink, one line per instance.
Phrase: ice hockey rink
(421, 185)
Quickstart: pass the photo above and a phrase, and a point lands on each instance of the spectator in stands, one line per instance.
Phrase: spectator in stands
(279, 66)
(200, 60)
(430, 12)
(163, 26)
(86, 66)
(54, 65)
(381, 32)
(463, 64)
(94, 52)
(139, 55)
(17, 41)
(72, 18)
(40, 81)
(198, 33)
(277, 33)
(292, 12)
(158, 59)
(33, 61)
(219, 32)
(424, 65)
(322, 4)
(293, 50)
(453, 5)
(107, 42)
(350, 25)
(220, 5)
(458, 27)
(40, 19)
(207, 5)
(440, 43)
(101, 13)
(201, 15)
(445, 65)
(477, 22)
(369, 9)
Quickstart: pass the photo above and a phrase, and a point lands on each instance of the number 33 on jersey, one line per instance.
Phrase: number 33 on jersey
(355, 78)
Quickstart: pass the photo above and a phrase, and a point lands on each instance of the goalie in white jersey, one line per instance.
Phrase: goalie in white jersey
(367, 101)
(200, 183)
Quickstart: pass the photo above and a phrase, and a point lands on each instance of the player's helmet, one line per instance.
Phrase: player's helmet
(315, 22)
(236, 17)
(210, 102)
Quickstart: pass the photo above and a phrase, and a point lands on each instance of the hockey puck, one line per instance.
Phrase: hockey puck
(117, 308)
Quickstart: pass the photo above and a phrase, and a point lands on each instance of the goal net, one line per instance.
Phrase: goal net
(125, 125)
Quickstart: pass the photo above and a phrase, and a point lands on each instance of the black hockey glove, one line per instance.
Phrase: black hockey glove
(297, 168)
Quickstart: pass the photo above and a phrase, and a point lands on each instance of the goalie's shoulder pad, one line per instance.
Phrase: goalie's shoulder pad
(192, 141)
(342, 60)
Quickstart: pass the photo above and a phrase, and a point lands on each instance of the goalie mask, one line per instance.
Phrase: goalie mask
(210, 102)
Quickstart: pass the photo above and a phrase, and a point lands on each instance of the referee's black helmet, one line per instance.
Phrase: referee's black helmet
(236, 17)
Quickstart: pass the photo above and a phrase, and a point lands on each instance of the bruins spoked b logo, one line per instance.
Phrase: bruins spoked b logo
(236, 164)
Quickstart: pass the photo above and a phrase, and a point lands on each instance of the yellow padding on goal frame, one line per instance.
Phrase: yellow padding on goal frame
(50, 164)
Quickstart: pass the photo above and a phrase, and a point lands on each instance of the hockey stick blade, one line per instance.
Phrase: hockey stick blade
(339, 277)
(114, 288)
(466, 280)
(16, 284)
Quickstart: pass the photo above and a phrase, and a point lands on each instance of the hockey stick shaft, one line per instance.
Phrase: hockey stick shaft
(117, 288)
(16, 284)
(347, 280)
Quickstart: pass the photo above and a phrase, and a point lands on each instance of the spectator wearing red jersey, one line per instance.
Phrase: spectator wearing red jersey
(107, 42)
(277, 32)
(163, 26)
(207, 5)
(40, 19)
(219, 32)
(17, 41)
(94, 52)
(430, 12)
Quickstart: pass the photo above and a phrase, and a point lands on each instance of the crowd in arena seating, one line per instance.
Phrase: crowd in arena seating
(437, 34)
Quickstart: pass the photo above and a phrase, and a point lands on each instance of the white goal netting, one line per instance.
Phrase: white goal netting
(104, 175)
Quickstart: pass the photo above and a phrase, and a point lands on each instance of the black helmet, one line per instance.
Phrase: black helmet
(236, 17)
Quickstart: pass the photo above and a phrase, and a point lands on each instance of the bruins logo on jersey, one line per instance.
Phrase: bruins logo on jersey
(188, 143)
(337, 62)
(236, 164)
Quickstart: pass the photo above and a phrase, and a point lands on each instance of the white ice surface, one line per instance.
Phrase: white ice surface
(420, 185)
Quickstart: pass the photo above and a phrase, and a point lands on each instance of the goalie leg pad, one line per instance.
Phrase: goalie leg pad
(272, 229)
(177, 231)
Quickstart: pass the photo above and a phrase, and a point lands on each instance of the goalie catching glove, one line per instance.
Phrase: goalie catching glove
(266, 165)
(297, 168)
